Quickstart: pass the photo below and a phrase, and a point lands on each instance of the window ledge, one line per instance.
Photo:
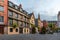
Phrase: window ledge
(1, 22)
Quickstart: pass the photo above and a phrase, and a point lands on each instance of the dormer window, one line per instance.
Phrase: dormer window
(10, 4)
(16, 7)
(21, 9)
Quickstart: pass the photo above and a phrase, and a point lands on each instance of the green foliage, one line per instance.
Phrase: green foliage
(14, 25)
(43, 30)
(57, 29)
(38, 28)
(53, 27)
(50, 25)
(33, 25)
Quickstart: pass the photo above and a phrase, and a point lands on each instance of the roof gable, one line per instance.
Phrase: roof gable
(31, 14)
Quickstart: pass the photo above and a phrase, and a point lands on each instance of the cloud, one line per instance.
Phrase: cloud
(47, 8)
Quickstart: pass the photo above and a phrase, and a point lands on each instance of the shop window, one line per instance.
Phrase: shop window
(11, 29)
(16, 30)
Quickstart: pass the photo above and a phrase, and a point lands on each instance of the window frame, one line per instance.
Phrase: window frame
(16, 7)
(16, 29)
(10, 4)
(10, 12)
(2, 17)
(11, 30)
(2, 7)
(9, 22)
(16, 15)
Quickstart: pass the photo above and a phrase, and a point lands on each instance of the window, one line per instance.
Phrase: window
(10, 22)
(21, 9)
(1, 8)
(10, 4)
(1, 19)
(24, 24)
(16, 7)
(21, 16)
(24, 18)
(27, 25)
(21, 30)
(16, 15)
(24, 30)
(16, 30)
(10, 13)
(15, 21)
(21, 24)
(27, 30)
(11, 29)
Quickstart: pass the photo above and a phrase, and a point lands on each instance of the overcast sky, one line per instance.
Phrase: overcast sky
(48, 9)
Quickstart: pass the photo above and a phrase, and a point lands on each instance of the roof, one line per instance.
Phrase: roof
(31, 15)
(52, 21)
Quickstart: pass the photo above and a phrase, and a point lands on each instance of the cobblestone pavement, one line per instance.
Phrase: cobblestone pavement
(31, 37)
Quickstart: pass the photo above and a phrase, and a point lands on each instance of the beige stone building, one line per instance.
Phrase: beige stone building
(14, 19)
(11, 14)
(32, 20)
(20, 17)
(38, 22)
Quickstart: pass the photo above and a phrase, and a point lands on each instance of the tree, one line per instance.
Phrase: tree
(52, 27)
(38, 28)
(43, 30)
(33, 29)
(14, 25)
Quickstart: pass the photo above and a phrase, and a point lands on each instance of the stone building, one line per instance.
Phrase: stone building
(10, 14)
(38, 22)
(45, 23)
(32, 20)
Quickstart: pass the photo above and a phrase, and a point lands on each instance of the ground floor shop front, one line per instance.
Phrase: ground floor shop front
(11, 30)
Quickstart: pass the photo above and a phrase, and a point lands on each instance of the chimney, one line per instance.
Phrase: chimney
(20, 6)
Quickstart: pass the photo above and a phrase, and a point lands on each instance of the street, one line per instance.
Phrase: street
(55, 36)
